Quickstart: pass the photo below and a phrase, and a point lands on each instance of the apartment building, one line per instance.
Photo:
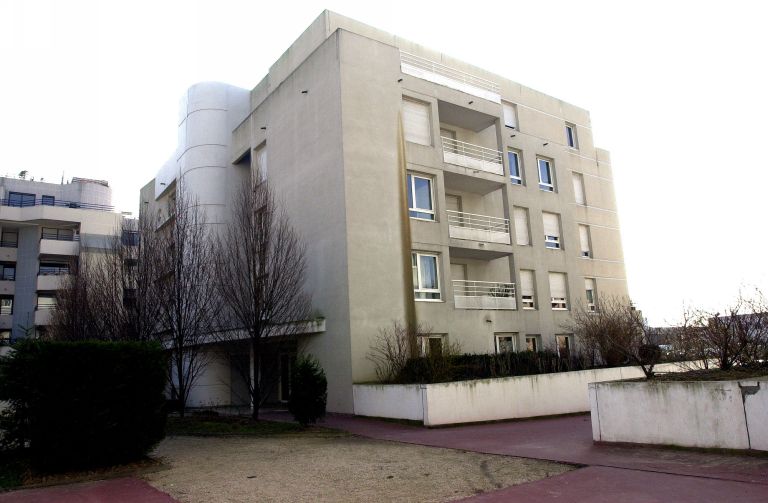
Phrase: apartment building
(425, 188)
(44, 228)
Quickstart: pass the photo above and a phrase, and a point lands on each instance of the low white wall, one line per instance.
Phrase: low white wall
(488, 399)
(709, 414)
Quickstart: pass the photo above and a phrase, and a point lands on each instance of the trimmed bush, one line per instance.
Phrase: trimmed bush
(77, 405)
(309, 391)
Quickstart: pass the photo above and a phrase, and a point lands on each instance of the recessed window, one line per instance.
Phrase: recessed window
(8, 271)
(130, 238)
(510, 114)
(570, 136)
(515, 169)
(49, 201)
(586, 250)
(563, 345)
(6, 305)
(558, 291)
(58, 234)
(420, 200)
(416, 122)
(551, 230)
(578, 189)
(20, 199)
(522, 232)
(546, 179)
(591, 294)
(260, 156)
(527, 289)
(9, 239)
(46, 301)
(432, 344)
(505, 342)
(532, 342)
(426, 282)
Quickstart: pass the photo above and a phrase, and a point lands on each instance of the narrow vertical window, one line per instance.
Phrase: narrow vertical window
(578, 189)
(586, 250)
(527, 289)
(420, 197)
(416, 122)
(510, 115)
(522, 232)
(563, 345)
(426, 283)
(570, 136)
(515, 170)
(532, 342)
(261, 162)
(591, 294)
(546, 180)
(551, 230)
(558, 291)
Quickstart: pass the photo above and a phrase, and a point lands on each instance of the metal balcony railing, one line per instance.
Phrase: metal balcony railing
(483, 295)
(59, 236)
(25, 203)
(478, 222)
(472, 156)
(412, 62)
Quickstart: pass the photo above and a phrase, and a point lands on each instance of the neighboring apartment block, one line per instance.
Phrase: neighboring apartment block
(425, 189)
(44, 228)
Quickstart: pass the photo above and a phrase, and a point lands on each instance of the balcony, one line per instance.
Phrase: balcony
(472, 156)
(426, 69)
(43, 315)
(28, 203)
(483, 295)
(60, 246)
(473, 227)
(51, 281)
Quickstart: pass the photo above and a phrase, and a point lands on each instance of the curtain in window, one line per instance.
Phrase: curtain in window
(428, 269)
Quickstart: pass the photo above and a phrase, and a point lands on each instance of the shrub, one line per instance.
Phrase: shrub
(309, 391)
(83, 404)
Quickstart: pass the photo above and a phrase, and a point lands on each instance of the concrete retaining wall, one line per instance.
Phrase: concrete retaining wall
(488, 399)
(709, 414)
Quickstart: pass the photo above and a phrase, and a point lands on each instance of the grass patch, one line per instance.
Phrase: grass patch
(227, 425)
(715, 374)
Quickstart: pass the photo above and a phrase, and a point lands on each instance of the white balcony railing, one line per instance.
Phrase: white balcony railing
(462, 225)
(483, 295)
(438, 73)
(472, 156)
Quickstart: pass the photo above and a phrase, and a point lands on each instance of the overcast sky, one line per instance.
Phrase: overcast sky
(677, 92)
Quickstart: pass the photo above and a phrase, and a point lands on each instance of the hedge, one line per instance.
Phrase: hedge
(77, 405)
(309, 391)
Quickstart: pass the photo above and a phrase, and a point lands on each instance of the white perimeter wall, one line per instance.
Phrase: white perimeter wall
(488, 399)
(715, 414)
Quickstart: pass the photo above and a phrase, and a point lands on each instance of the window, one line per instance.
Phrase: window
(505, 342)
(53, 268)
(532, 342)
(557, 291)
(20, 199)
(515, 169)
(416, 122)
(522, 233)
(578, 189)
(426, 284)
(49, 201)
(130, 238)
(510, 115)
(570, 136)
(563, 345)
(420, 199)
(10, 239)
(46, 301)
(6, 305)
(432, 344)
(551, 230)
(527, 289)
(58, 234)
(586, 250)
(7, 271)
(5, 337)
(546, 180)
(261, 166)
(591, 292)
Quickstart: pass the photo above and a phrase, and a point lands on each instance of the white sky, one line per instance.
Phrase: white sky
(677, 92)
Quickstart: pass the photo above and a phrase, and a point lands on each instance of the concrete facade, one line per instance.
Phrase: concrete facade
(45, 227)
(330, 119)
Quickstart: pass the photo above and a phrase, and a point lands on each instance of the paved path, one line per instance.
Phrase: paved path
(125, 490)
(612, 473)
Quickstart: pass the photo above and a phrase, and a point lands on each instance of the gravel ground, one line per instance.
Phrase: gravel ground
(331, 467)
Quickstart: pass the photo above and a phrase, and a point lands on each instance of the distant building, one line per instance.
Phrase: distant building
(425, 188)
(44, 227)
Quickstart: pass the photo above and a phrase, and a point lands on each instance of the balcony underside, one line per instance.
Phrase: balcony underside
(463, 248)
(485, 302)
(469, 180)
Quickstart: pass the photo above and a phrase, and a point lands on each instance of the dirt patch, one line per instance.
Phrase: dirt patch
(332, 468)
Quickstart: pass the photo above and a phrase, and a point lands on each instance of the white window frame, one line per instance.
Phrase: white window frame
(552, 242)
(412, 190)
(424, 342)
(568, 338)
(418, 289)
(506, 335)
(506, 105)
(546, 187)
(559, 303)
(515, 180)
(585, 254)
(571, 140)
(528, 302)
(591, 303)
(536, 338)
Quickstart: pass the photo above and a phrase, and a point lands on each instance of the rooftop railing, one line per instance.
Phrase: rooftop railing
(472, 156)
(60, 204)
(445, 75)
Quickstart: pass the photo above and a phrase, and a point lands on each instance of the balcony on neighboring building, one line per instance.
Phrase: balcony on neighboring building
(27, 202)
(470, 226)
(426, 69)
(483, 295)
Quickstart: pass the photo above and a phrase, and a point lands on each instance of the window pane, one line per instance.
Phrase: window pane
(544, 173)
(422, 188)
(414, 268)
(410, 191)
(514, 165)
(428, 269)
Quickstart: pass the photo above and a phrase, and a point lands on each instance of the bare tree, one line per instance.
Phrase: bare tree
(259, 270)
(393, 347)
(187, 304)
(617, 332)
